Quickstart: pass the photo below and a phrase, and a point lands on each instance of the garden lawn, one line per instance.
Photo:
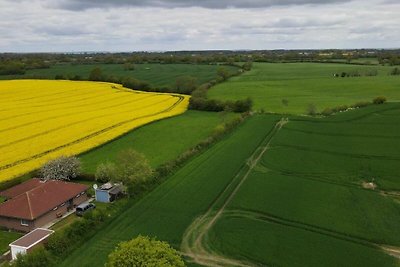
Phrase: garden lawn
(6, 238)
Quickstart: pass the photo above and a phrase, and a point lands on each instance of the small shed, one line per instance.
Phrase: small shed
(29, 241)
(108, 192)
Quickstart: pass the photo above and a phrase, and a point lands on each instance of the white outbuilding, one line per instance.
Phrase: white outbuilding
(29, 241)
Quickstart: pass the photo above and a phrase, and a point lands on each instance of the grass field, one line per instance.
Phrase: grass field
(158, 75)
(6, 238)
(161, 141)
(302, 84)
(234, 204)
(42, 119)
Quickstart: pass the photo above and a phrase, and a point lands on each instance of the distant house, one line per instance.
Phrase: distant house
(29, 241)
(108, 192)
(36, 203)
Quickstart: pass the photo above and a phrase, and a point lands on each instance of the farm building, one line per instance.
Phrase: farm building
(108, 192)
(29, 241)
(36, 203)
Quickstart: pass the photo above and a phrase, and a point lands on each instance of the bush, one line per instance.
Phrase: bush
(201, 103)
(247, 66)
(96, 74)
(379, 100)
(242, 105)
(311, 109)
(135, 84)
(185, 84)
(143, 251)
(327, 112)
(38, 257)
(59, 77)
(395, 71)
(361, 104)
(340, 108)
(129, 66)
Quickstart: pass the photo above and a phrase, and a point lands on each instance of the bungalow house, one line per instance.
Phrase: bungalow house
(36, 203)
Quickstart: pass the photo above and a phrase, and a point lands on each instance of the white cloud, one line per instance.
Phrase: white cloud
(37, 26)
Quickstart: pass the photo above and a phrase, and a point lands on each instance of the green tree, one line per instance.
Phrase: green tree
(96, 74)
(106, 172)
(247, 66)
(186, 84)
(395, 71)
(132, 169)
(129, 66)
(143, 251)
(379, 100)
(223, 73)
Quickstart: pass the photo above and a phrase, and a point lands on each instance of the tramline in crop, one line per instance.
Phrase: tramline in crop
(41, 120)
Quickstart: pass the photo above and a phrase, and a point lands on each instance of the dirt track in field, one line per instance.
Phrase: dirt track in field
(194, 241)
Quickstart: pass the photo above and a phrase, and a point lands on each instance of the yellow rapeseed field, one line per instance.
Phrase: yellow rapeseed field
(41, 119)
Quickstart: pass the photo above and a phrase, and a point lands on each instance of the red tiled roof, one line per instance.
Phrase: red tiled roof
(21, 188)
(40, 200)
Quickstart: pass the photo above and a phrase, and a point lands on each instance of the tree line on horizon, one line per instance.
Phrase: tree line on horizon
(19, 63)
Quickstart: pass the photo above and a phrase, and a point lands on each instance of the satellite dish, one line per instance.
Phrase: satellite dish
(95, 186)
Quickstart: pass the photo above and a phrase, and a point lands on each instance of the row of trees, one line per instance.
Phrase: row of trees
(43, 60)
(357, 73)
(199, 100)
(312, 109)
(371, 72)
(19, 67)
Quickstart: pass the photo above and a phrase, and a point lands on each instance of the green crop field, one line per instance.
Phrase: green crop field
(171, 208)
(158, 75)
(160, 141)
(280, 191)
(289, 88)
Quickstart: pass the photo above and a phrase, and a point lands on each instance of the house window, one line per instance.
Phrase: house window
(55, 208)
(24, 222)
(78, 195)
(62, 204)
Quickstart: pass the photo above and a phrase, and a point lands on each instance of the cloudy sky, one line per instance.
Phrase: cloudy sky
(138, 25)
